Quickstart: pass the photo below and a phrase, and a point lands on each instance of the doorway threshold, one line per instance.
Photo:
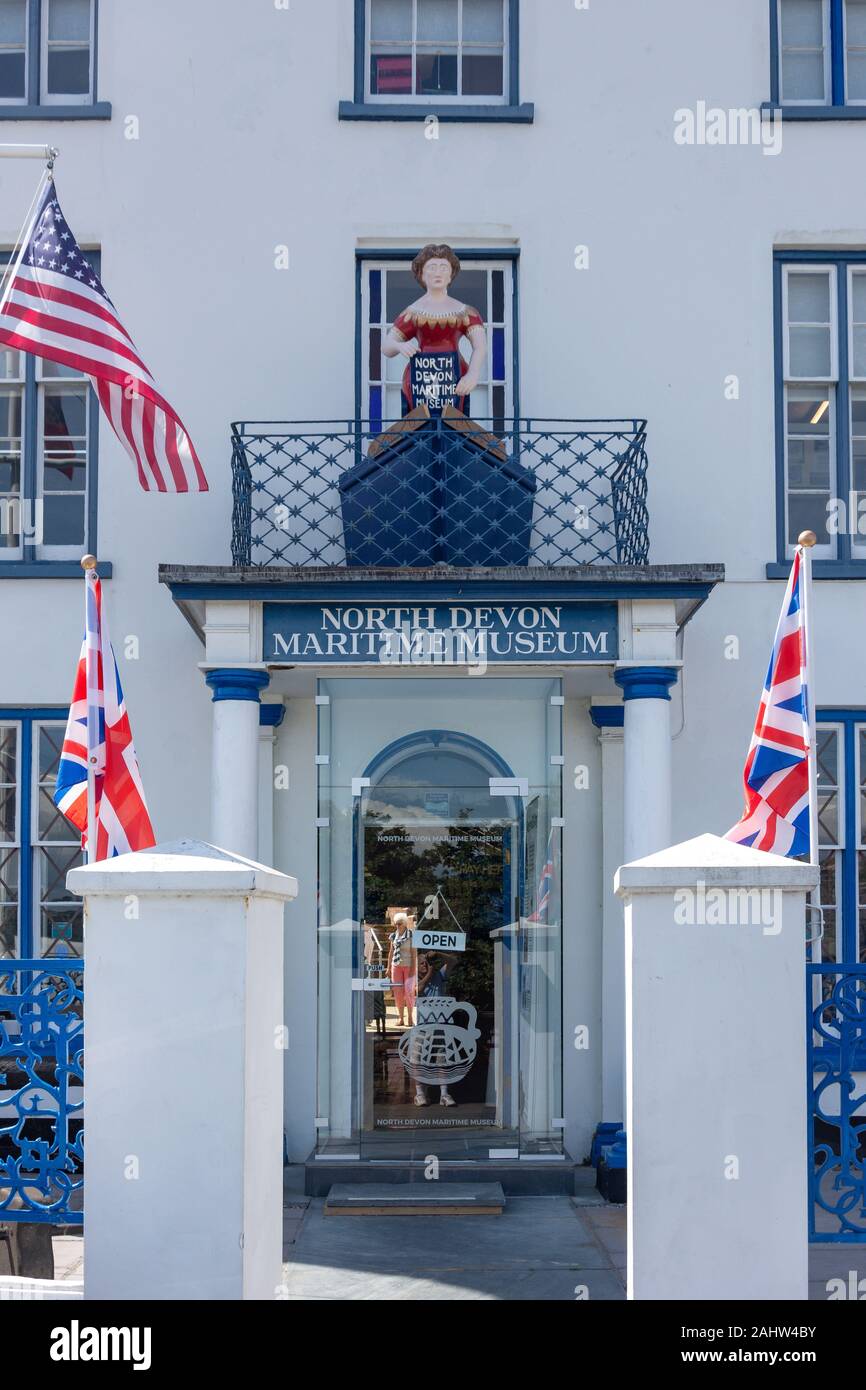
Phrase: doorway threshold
(545, 1176)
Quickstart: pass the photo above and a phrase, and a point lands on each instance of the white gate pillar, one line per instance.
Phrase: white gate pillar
(716, 1073)
(235, 757)
(183, 1099)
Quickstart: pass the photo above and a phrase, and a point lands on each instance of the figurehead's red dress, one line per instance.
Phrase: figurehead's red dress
(437, 333)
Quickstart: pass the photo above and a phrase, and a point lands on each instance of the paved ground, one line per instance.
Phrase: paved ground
(541, 1248)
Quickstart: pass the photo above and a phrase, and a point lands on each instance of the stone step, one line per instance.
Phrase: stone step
(415, 1199)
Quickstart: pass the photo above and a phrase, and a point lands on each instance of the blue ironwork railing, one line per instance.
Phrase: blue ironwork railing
(442, 490)
(41, 1090)
(836, 1033)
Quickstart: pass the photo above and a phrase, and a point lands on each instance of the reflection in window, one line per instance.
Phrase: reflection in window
(444, 49)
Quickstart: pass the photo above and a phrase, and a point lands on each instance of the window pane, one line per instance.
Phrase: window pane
(437, 20)
(828, 818)
(50, 747)
(858, 438)
(802, 22)
(9, 888)
(858, 324)
(856, 76)
(808, 298)
(13, 21)
(855, 23)
(9, 931)
(803, 77)
(69, 71)
(8, 800)
(482, 75)
(391, 19)
(63, 520)
(390, 73)
(436, 74)
(809, 353)
(12, 75)
(828, 757)
(471, 288)
(46, 370)
(482, 21)
(401, 289)
(69, 19)
(10, 364)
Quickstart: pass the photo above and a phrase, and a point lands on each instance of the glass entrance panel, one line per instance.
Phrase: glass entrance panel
(439, 919)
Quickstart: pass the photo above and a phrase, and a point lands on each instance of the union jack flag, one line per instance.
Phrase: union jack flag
(98, 733)
(545, 884)
(776, 775)
(55, 306)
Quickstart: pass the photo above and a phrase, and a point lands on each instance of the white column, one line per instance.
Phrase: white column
(608, 719)
(183, 1107)
(716, 1073)
(647, 765)
(270, 718)
(235, 758)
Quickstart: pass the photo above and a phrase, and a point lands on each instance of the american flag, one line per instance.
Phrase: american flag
(98, 729)
(55, 306)
(776, 775)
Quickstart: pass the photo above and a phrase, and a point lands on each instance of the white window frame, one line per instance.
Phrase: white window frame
(491, 264)
(849, 100)
(43, 385)
(839, 847)
(440, 99)
(8, 48)
(47, 98)
(827, 551)
(15, 844)
(827, 99)
(37, 843)
(15, 553)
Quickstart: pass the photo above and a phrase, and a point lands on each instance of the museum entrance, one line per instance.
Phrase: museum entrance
(439, 968)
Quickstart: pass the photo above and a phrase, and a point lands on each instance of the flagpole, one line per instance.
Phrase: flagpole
(806, 540)
(88, 564)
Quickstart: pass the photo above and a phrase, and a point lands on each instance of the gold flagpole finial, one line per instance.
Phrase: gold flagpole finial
(88, 562)
(805, 538)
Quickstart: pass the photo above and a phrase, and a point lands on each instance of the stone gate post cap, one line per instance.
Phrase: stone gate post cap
(181, 866)
(717, 863)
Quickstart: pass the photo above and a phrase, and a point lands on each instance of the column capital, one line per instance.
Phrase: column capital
(646, 682)
(271, 716)
(607, 716)
(237, 683)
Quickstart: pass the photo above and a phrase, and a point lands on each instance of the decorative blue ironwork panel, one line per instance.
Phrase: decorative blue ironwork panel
(836, 1024)
(465, 493)
(41, 1090)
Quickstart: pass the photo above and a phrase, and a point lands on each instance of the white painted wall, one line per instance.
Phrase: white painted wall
(240, 151)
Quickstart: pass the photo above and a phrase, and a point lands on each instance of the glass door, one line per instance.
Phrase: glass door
(439, 919)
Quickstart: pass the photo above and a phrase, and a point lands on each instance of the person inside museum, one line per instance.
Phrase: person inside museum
(401, 969)
(437, 323)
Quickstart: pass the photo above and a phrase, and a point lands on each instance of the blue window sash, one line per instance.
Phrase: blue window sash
(30, 468)
(490, 253)
(836, 106)
(27, 718)
(844, 564)
(847, 912)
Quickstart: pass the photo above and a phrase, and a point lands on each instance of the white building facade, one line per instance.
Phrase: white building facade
(256, 181)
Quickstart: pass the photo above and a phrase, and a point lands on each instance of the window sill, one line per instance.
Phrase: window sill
(822, 569)
(49, 569)
(97, 111)
(815, 113)
(387, 111)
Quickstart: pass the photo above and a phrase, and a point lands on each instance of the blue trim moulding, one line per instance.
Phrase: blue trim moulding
(97, 111)
(50, 569)
(607, 717)
(271, 716)
(231, 683)
(515, 113)
(382, 111)
(646, 682)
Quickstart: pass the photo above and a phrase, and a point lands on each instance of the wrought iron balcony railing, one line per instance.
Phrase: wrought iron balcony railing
(442, 490)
